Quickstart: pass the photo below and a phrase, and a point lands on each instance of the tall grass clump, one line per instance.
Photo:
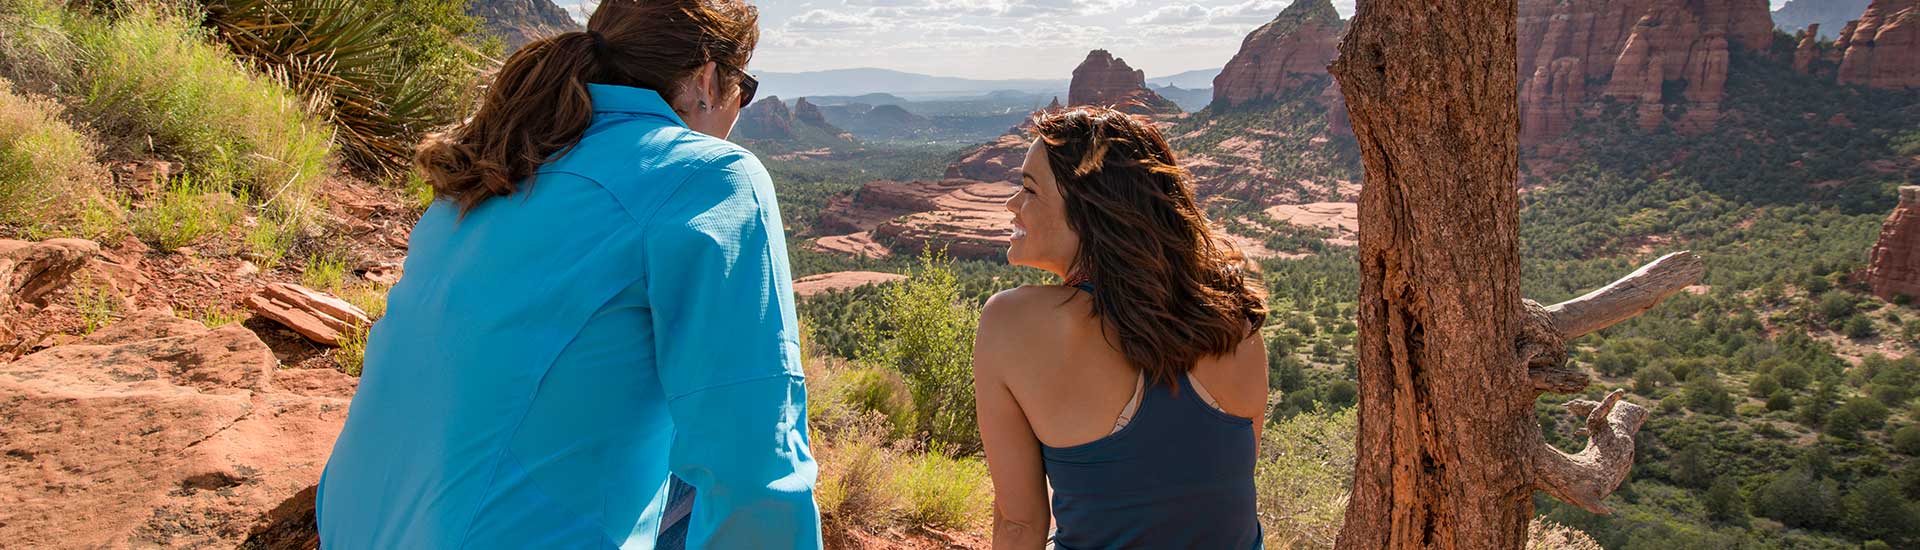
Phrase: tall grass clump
(189, 209)
(47, 171)
(149, 75)
(939, 491)
(926, 331)
(383, 72)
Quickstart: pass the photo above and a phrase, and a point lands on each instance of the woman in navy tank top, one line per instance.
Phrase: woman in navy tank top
(1120, 408)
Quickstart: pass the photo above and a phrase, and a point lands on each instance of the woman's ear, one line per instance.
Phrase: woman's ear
(707, 85)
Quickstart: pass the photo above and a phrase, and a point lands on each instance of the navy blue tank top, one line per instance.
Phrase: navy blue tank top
(1179, 475)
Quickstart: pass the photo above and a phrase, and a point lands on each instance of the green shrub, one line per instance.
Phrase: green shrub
(1906, 440)
(1302, 478)
(855, 487)
(150, 75)
(187, 210)
(383, 72)
(370, 298)
(926, 332)
(218, 316)
(352, 353)
(268, 242)
(881, 391)
(944, 492)
(97, 304)
(325, 272)
(47, 171)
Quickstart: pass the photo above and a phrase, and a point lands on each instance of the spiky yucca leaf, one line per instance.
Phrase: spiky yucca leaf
(347, 58)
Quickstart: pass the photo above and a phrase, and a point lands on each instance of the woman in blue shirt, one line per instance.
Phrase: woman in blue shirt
(599, 297)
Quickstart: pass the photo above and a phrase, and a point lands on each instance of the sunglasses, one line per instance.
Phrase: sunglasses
(748, 84)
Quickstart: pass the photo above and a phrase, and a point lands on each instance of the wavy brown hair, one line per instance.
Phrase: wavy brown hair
(1173, 290)
(537, 107)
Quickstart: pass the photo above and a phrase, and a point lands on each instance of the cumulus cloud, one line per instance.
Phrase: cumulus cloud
(820, 20)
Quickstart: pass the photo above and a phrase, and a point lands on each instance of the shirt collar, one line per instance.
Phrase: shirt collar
(608, 98)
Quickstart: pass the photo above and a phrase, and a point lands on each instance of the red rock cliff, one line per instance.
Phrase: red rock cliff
(1882, 49)
(1282, 55)
(1578, 50)
(1895, 265)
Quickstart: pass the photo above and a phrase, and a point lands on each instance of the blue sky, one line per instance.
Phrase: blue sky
(996, 39)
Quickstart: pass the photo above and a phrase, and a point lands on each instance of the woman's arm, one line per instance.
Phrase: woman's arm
(1021, 516)
(727, 344)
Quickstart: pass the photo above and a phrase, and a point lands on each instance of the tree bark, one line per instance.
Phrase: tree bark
(1431, 91)
(1451, 357)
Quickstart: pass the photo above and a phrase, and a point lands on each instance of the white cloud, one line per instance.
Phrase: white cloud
(834, 22)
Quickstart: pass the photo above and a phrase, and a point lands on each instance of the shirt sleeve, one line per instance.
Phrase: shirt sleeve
(729, 359)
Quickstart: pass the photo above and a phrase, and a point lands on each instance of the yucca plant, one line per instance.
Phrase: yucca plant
(358, 65)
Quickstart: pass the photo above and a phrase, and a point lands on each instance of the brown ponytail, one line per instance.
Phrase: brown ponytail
(538, 106)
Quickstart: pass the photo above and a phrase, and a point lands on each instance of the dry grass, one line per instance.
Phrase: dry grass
(48, 176)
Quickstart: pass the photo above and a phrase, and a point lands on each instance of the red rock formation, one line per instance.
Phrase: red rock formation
(967, 217)
(315, 315)
(1627, 49)
(1807, 50)
(157, 432)
(1105, 80)
(768, 118)
(518, 22)
(1551, 98)
(1292, 50)
(1884, 49)
(998, 160)
(808, 113)
(1894, 267)
(840, 281)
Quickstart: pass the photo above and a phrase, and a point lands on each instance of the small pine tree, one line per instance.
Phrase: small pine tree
(1724, 504)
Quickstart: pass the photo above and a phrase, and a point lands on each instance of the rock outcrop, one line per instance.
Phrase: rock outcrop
(967, 217)
(1572, 52)
(518, 22)
(1107, 81)
(840, 281)
(1806, 49)
(1894, 267)
(158, 432)
(321, 318)
(1799, 15)
(998, 160)
(769, 119)
(1883, 49)
(29, 271)
(1283, 55)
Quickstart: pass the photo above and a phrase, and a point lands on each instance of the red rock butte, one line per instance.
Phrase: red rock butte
(1107, 81)
(1894, 268)
(1291, 51)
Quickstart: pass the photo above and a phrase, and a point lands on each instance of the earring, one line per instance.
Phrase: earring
(704, 107)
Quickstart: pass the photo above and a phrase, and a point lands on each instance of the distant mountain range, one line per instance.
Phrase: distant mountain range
(921, 87)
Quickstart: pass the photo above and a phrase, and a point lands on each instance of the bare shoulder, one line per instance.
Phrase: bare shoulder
(1015, 318)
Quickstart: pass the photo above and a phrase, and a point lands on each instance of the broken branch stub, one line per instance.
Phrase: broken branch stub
(1630, 296)
(1584, 479)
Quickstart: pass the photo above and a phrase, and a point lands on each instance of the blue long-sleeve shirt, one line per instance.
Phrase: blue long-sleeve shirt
(550, 357)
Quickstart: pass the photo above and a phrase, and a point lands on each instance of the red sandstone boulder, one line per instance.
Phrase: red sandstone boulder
(1107, 81)
(313, 314)
(1883, 47)
(1894, 267)
(29, 270)
(1291, 51)
(157, 432)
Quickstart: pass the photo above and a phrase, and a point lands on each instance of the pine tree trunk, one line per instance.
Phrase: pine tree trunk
(1452, 358)
(1444, 422)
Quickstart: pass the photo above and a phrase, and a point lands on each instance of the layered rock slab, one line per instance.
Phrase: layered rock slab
(156, 432)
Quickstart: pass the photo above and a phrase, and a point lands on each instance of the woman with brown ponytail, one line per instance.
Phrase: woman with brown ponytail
(597, 302)
(1120, 408)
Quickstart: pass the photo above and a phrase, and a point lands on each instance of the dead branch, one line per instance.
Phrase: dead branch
(1627, 297)
(1586, 478)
